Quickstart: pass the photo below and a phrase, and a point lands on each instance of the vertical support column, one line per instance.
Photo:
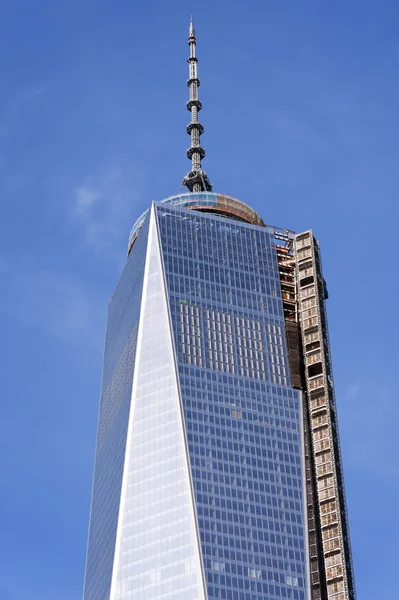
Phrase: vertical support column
(323, 427)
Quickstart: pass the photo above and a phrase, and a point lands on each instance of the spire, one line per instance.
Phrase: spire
(191, 31)
(196, 180)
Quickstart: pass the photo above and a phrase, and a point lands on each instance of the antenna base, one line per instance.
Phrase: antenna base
(197, 179)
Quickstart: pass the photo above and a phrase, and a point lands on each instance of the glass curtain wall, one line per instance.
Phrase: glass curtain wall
(243, 420)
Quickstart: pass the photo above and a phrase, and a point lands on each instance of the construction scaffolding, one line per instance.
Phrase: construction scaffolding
(329, 544)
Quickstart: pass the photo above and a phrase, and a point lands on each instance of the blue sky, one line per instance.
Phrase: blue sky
(300, 113)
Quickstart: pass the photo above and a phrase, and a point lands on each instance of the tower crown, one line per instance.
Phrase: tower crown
(196, 180)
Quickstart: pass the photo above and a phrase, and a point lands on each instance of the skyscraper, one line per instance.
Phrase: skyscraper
(217, 470)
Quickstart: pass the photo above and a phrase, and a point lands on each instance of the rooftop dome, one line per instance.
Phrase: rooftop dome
(208, 202)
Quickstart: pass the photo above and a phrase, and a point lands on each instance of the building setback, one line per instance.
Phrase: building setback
(218, 471)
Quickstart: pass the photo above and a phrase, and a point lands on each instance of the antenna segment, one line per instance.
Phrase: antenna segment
(196, 180)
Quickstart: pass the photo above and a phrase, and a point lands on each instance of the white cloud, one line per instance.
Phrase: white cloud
(353, 391)
(85, 197)
(369, 430)
(57, 304)
(3, 265)
(102, 207)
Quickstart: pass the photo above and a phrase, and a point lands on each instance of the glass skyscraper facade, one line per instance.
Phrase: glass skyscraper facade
(242, 418)
(218, 472)
(206, 482)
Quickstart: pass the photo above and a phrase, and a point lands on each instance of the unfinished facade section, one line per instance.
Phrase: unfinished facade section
(330, 553)
(285, 242)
